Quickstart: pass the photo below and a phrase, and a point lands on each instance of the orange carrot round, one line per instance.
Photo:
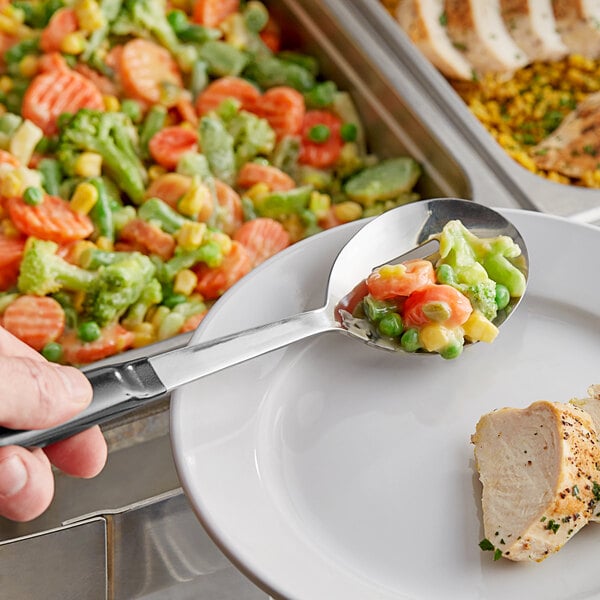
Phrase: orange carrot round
(271, 36)
(231, 215)
(391, 281)
(11, 253)
(153, 239)
(214, 282)
(169, 187)
(459, 306)
(53, 220)
(6, 158)
(224, 88)
(145, 67)
(113, 339)
(320, 154)
(213, 12)
(168, 145)
(61, 24)
(53, 93)
(253, 173)
(192, 322)
(283, 107)
(35, 320)
(262, 238)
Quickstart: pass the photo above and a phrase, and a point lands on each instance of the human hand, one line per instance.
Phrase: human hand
(35, 394)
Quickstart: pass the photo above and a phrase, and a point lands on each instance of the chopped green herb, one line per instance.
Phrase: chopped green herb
(553, 526)
(486, 545)
(443, 19)
(576, 491)
(497, 554)
(596, 491)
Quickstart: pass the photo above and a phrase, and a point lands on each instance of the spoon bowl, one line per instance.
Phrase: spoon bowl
(395, 236)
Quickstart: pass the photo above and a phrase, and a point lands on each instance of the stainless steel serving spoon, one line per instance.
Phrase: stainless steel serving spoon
(396, 235)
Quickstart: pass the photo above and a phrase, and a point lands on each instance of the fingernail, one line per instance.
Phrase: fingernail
(13, 476)
(77, 385)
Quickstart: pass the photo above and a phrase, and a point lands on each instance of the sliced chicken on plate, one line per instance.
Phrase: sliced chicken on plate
(477, 29)
(539, 475)
(532, 25)
(424, 23)
(578, 24)
(573, 148)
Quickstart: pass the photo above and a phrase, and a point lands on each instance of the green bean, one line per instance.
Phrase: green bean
(155, 120)
(199, 77)
(284, 203)
(256, 16)
(101, 213)
(270, 71)
(375, 310)
(223, 59)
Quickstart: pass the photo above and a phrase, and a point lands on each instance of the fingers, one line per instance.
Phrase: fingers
(26, 483)
(38, 394)
(13, 346)
(83, 455)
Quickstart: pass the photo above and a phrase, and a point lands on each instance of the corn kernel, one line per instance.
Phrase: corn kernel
(78, 300)
(191, 235)
(6, 84)
(195, 199)
(84, 198)
(143, 334)
(10, 184)
(24, 141)
(73, 43)
(158, 316)
(170, 325)
(347, 211)
(156, 171)
(12, 26)
(222, 239)
(479, 329)
(105, 243)
(111, 103)
(319, 204)
(28, 66)
(88, 164)
(89, 15)
(258, 191)
(78, 249)
(435, 337)
(8, 229)
(185, 282)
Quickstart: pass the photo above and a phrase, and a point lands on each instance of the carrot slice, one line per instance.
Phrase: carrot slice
(212, 12)
(62, 23)
(153, 239)
(11, 253)
(283, 107)
(104, 84)
(53, 61)
(458, 304)
(271, 36)
(224, 88)
(53, 220)
(53, 93)
(391, 281)
(231, 215)
(35, 320)
(168, 145)
(213, 282)
(192, 322)
(321, 154)
(252, 173)
(113, 339)
(262, 238)
(145, 67)
(6, 158)
(169, 187)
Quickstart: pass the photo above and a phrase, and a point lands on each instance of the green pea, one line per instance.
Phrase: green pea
(410, 340)
(33, 196)
(451, 351)
(89, 331)
(319, 133)
(374, 309)
(391, 325)
(349, 132)
(502, 296)
(52, 351)
(445, 274)
(178, 20)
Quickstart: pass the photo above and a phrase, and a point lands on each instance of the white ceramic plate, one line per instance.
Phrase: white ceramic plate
(331, 470)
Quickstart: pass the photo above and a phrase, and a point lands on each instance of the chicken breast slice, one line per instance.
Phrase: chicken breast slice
(578, 24)
(532, 26)
(538, 470)
(477, 29)
(423, 22)
(573, 148)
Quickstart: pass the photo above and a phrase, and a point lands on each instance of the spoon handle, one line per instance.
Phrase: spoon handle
(123, 387)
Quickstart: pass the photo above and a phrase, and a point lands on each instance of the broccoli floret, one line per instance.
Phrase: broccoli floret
(43, 272)
(157, 210)
(209, 253)
(482, 296)
(151, 295)
(113, 136)
(117, 286)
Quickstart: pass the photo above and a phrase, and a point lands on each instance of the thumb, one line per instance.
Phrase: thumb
(38, 394)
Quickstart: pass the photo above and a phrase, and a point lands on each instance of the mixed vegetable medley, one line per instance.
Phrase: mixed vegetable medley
(428, 307)
(151, 154)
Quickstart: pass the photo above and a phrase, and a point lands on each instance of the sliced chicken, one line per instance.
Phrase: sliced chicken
(578, 24)
(476, 28)
(573, 148)
(538, 469)
(423, 22)
(532, 26)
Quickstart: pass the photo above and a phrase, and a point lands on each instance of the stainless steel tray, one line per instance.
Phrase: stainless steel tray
(129, 533)
(578, 203)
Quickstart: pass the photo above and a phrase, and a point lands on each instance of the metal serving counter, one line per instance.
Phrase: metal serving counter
(130, 532)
